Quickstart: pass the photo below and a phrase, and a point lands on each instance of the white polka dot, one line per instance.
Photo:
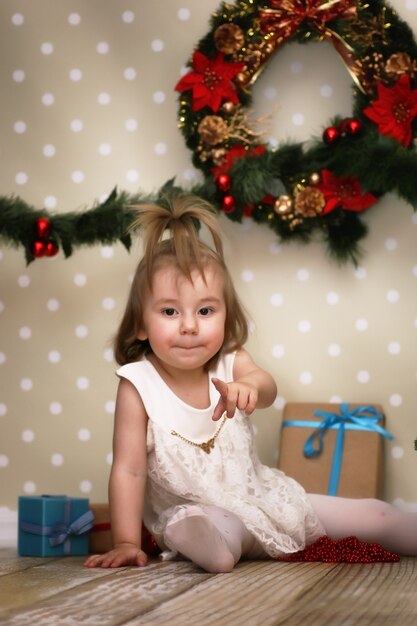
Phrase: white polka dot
(131, 125)
(363, 377)
(77, 177)
(361, 325)
(296, 67)
(160, 148)
(4, 460)
(335, 399)
(109, 458)
(332, 297)
(18, 76)
(334, 349)
(74, 19)
(18, 19)
(20, 127)
(75, 74)
(303, 275)
(277, 299)
(275, 248)
(1, 307)
(107, 252)
(103, 98)
(21, 178)
(76, 126)
(3, 358)
(391, 244)
(306, 378)
(298, 119)
(26, 384)
(304, 326)
(273, 143)
(397, 452)
(108, 304)
(395, 399)
(102, 47)
(105, 149)
(108, 355)
(278, 351)
(23, 281)
(247, 276)
(189, 174)
(25, 332)
(57, 459)
(86, 486)
(157, 45)
(3, 409)
(279, 403)
(29, 486)
(50, 202)
(48, 99)
(270, 93)
(159, 97)
(47, 47)
(132, 176)
(28, 436)
(52, 304)
(55, 408)
(360, 273)
(184, 14)
(83, 383)
(80, 280)
(84, 434)
(129, 73)
(392, 296)
(49, 150)
(128, 17)
(411, 5)
(326, 91)
(54, 356)
(394, 347)
(81, 331)
(110, 406)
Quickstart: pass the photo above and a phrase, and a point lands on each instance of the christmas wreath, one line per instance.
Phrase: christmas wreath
(321, 186)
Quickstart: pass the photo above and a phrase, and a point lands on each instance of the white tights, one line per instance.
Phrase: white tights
(216, 539)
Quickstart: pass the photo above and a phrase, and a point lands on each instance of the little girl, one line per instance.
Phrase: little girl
(184, 457)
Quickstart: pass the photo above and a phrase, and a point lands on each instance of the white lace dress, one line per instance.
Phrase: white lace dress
(273, 507)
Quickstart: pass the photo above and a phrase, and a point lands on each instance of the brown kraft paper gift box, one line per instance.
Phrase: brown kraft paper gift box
(361, 474)
(100, 539)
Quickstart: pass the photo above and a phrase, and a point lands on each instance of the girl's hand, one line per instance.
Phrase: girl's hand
(234, 395)
(124, 554)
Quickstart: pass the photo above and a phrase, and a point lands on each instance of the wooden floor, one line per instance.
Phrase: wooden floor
(60, 592)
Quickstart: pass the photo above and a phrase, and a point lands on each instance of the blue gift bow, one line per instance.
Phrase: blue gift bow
(60, 533)
(358, 418)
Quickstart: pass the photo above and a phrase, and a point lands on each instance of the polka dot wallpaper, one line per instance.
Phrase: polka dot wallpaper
(88, 103)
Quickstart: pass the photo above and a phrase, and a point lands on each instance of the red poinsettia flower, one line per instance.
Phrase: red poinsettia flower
(238, 151)
(344, 191)
(394, 110)
(210, 81)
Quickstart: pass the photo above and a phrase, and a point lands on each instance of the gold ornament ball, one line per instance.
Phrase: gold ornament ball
(283, 205)
(315, 178)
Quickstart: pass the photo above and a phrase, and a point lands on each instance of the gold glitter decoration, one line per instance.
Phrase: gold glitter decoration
(400, 63)
(212, 130)
(283, 205)
(229, 38)
(308, 201)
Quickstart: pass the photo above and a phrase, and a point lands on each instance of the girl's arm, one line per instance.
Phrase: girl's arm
(251, 388)
(127, 481)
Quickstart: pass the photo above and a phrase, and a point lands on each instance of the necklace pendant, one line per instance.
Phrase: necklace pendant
(207, 445)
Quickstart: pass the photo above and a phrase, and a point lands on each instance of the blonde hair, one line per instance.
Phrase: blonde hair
(185, 252)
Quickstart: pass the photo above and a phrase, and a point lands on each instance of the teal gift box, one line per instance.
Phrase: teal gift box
(53, 525)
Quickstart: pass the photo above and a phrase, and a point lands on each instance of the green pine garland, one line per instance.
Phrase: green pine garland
(298, 188)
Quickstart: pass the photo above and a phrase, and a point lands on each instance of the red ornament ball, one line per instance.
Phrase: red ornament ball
(51, 249)
(228, 203)
(350, 126)
(223, 182)
(43, 227)
(331, 135)
(38, 249)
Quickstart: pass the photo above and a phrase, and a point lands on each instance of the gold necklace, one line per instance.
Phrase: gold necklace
(207, 446)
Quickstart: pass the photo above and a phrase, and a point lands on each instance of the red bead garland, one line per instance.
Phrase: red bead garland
(346, 550)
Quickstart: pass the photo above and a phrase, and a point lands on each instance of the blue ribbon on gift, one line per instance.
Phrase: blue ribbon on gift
(358, 418)
(60, 533)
